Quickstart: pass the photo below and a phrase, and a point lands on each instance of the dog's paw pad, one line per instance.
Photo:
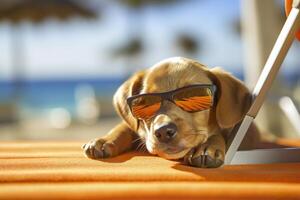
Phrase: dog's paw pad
(99, 148)
(204, 156)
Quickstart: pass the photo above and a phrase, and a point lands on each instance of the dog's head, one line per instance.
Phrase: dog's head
(172, 132)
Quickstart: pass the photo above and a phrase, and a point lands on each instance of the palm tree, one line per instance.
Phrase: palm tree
(132, 50)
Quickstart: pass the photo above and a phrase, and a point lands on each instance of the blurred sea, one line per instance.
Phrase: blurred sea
(37, 95)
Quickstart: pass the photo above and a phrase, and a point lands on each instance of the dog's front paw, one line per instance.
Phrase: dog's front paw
(100, 148)
(205, 156)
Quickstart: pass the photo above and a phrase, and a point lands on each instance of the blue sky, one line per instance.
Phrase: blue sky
(80, 48)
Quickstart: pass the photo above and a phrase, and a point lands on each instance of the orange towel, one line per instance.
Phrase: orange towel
(58, 170)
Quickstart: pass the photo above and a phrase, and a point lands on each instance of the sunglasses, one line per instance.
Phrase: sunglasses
(192, 98)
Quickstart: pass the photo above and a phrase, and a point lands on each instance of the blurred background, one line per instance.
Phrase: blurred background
(62, 60)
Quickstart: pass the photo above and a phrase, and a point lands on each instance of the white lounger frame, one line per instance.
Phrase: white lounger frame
(264, 82)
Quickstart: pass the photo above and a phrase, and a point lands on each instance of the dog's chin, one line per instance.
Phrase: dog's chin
(173, 154)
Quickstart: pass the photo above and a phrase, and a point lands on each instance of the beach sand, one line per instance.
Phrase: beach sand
(39, 129)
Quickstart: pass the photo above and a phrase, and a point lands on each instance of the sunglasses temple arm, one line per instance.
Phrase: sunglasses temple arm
(267, 76)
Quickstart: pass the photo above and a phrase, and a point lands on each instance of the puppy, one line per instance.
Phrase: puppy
(177, 109)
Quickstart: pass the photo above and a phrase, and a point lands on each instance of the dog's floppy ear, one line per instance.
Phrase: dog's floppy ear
(130, 87)
(233, 98)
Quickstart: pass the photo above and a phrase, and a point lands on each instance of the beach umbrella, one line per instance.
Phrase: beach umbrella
(136, 6)
(140, 3)
(16, 11)
(37, 12)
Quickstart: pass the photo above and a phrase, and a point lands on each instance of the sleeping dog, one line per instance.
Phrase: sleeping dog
(177, 109)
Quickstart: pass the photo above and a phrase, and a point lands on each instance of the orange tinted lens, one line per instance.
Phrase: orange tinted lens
(194, 99)
(144, 107)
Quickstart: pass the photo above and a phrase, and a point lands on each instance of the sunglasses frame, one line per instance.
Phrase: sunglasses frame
(169, 95)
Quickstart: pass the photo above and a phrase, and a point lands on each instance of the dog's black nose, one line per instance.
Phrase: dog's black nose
(166, 132)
